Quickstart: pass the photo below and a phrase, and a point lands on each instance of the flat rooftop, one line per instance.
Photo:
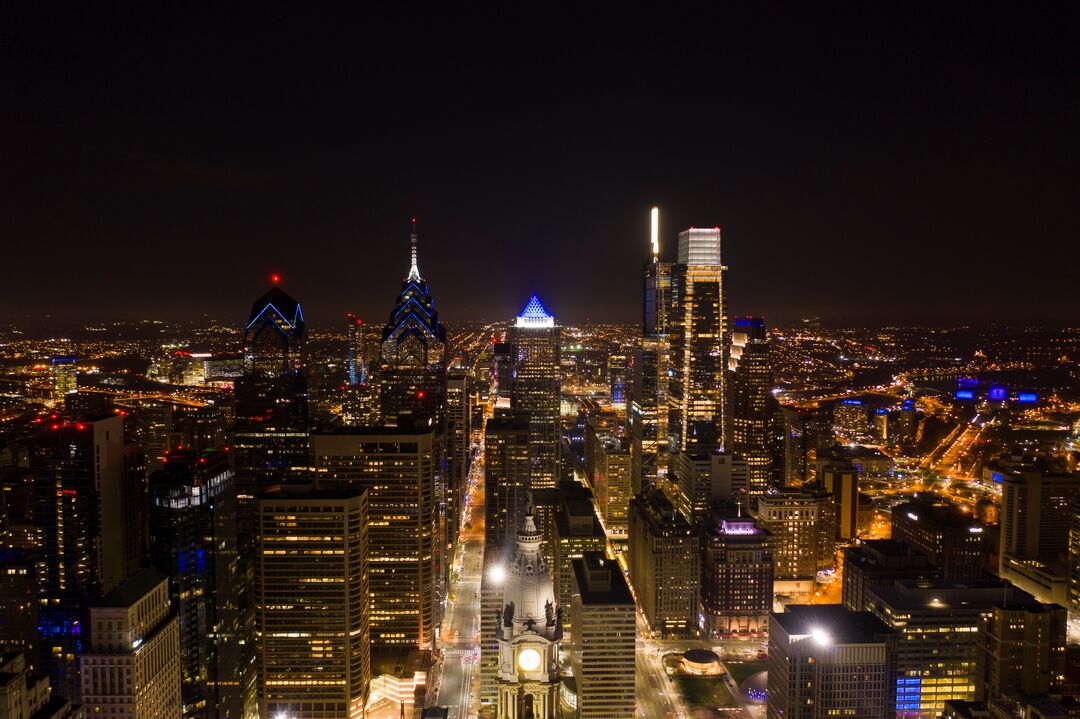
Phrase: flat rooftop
(841, 625)
(132, 589)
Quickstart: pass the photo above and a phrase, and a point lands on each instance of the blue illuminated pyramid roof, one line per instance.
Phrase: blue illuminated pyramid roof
(534, 310)
(534, 314)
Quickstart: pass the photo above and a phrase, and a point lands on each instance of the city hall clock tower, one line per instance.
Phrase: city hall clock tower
(529, 631)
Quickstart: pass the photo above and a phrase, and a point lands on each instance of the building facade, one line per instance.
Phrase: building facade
(536, 389)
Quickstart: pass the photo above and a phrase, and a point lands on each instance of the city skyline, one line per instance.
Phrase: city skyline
(922, 158)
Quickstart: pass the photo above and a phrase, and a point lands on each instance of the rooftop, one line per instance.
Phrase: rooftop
(132, 589)
(839, 625)
(970, 594)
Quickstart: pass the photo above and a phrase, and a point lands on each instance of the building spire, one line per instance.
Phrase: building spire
(414, 270)
(654, 232)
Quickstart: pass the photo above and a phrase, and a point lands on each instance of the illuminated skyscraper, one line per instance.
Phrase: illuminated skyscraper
(459, 410)
(413, 371)
(354, 350)
(737, 577)
(193, 542)
(665, 563)
(537, 387)
(91, 515)
(753, 406)
(270, 434)
(65, 380)
(312, 574)
(803, 524)
(699, 343)
(396, 467)
(647, 409)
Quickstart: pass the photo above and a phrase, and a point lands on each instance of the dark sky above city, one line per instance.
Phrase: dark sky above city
(866, 161)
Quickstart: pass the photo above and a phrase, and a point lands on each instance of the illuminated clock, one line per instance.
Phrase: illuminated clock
(529, 659)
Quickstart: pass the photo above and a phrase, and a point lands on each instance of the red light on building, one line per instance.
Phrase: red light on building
(420, 394)
(275, 278)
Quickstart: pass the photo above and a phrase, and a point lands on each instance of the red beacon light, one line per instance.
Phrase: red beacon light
(420, 394)
(275, 278)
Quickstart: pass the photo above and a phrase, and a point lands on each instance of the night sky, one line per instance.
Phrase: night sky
(901, 162)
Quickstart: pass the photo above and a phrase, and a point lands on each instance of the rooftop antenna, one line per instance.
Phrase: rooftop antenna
(414, 270)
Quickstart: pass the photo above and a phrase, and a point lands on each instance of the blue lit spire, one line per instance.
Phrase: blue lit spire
(414, 269)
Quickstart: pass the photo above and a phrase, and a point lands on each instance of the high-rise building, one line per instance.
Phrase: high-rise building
(827, 661)
(877, 563)
(413, 370)
(506, 481)
(90, 511)
(355, 369)
(604, 639)
(850, 420)
(1036, 518)
(65, 379)
(19, 604)
(737, 577)
(577, 532)
(132, 669)
(805, 432)
(699, 343)
(529, 632)
(665, 561)
(618, 374)
(703, 478)
(802, 522)
(841, 480)
(536, 388)
(952, 540)
(193, 542)
(312, 616)
(648, 410)
(271, 423)
(459, 410)
(943, 651)
(396, 466)
(753, 405)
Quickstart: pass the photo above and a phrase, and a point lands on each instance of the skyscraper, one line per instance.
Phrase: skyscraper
(65, 379)
(604, 639)
(396, 467)
(737, 577)
(354, 350)
(133, 666)
(193, 542)
(90, 512)
(699, 342)
(753, 406)
(459, 410)
(951, 539)
(312, 575)
(802, 522)
(413, 368)
(648, 407)
(537, 387)
(665, 563)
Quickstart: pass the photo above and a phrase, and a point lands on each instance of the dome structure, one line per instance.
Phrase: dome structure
(529, 597)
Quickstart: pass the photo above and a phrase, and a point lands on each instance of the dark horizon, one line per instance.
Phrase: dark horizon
(865, 165)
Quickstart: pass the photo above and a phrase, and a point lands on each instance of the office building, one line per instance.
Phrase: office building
(355, 369)
(459, 411)
(604, 639)
(805, 432)
(536, 388)
(943, 651)
(875, 563)
(665, 562)
(610, 480)
(313, 611)
(825, 661)
(753, 405)
(506, 480)
(132, 668)
(413, 354)
(736, 577)
(850, 420)
(529, 632)
(703, 479)
(952, 541)
(193, 542)
(842, 482)
(25, 695)
(648, 409)
(396, 466)
(90, 513)
(577, 532)
(699, 343)
(19, 604)
(802, 523)
(1036, 518)
(64, 376)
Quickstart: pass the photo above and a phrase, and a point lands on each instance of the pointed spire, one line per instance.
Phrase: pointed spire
(414, 270)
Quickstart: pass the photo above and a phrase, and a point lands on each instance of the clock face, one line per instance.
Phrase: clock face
(529, 659)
